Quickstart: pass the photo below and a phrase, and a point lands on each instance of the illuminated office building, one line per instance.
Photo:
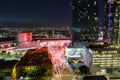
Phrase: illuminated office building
(105, 58)
(110, 27)
(111, 22)
(96, 20)
(87, 17)
(115, 31)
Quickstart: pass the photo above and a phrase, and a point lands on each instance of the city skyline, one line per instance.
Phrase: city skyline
(36, 43)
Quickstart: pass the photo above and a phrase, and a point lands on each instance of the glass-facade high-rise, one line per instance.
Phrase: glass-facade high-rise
(86, 19)
(115, 31)
(96, 20)
(118, 12)
(111, 18)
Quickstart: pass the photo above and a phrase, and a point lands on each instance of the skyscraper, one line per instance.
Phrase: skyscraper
(111, 21)
(115, 31)
(118, 12)
(110, 27)
(87, 19)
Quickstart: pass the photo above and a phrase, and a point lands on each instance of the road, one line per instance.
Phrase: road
(64, 71)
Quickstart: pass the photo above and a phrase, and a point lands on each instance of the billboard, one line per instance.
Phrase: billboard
(75, 52)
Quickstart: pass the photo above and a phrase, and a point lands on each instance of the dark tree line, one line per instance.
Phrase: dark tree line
(84, 70)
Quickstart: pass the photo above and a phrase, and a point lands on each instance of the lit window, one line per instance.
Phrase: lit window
(94, 2)
(116, 15)
(73, 7)
(96, 18)
(88, 5)
(94, 13)
(88, 17)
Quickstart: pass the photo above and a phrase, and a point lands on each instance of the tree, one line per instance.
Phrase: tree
(41, 72)
(2, 76)
(84, 70)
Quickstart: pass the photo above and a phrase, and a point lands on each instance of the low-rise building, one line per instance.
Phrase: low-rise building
(105, 60)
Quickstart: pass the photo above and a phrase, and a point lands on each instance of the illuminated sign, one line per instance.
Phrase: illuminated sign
(75, 52)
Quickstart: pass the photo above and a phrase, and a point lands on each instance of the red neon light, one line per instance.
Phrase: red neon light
(24, 37)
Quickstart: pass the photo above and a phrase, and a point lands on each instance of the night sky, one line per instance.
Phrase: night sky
(56, 12)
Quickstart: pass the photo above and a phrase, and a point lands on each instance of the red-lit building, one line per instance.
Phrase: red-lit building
(25, 40)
